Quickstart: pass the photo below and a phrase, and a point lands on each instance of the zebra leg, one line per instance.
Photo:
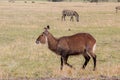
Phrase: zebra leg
(116, 10)
(71, 19)
(64, 18)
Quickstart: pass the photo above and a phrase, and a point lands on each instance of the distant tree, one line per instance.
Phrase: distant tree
(25, 1)
(55, 0)
(105, 0)
(94, 1)
(11, 1)
(33, 1)
(118, 0)
(87, 0)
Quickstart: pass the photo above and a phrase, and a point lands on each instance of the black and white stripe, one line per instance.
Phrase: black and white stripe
(70, 13)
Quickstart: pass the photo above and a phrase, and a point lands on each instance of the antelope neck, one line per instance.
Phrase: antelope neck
(52, 42)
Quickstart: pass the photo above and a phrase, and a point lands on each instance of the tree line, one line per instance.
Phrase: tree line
(73, 0)
(83, 0)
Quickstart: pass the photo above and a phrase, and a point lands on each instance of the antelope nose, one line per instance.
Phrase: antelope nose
(37, 42)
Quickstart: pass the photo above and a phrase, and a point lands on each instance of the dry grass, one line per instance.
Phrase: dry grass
(21, 23)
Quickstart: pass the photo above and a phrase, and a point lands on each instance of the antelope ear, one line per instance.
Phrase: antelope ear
(48, 27)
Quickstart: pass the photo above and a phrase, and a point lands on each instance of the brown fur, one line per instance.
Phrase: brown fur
(80, 43)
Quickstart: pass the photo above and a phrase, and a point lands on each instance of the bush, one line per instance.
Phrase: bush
(25, 1)
(94, 1)
(55, 0)
(33, 1)
(12, 1)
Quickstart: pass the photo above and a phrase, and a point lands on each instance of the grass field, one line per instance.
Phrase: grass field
(21, 23)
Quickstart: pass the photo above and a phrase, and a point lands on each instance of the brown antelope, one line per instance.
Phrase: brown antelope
(70, 13)
(80, 43)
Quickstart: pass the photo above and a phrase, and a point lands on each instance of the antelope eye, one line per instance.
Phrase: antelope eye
(43, 33)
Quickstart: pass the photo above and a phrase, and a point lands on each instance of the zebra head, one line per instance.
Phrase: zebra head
(76, 15)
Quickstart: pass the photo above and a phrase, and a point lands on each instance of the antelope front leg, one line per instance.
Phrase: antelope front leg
(65, 58)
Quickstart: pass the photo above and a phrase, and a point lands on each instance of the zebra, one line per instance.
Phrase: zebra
(70, 13)
(117, 8)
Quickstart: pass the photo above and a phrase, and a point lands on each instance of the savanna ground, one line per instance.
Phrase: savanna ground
(21, 23)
